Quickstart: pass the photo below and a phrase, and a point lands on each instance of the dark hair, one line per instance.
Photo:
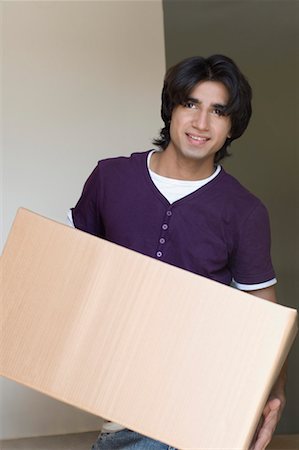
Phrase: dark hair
(182, 78)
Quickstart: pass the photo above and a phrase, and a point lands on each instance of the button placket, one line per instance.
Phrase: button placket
(163, 235)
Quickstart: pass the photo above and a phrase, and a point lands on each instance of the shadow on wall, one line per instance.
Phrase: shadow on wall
(262, 37)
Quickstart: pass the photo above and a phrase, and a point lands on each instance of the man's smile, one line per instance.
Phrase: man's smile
(197, 138)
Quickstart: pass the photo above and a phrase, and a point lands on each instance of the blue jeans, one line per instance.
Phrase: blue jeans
(127, 440)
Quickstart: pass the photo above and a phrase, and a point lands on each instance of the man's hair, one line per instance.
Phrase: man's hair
(182, 78)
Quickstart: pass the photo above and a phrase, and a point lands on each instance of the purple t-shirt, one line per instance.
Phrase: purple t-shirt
(220, 231)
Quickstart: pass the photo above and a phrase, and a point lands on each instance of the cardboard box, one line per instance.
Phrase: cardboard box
(162, 351)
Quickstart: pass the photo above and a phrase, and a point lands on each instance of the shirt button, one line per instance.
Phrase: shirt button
(169, 213)
(162, 241)
(164, 226)
(159, 254)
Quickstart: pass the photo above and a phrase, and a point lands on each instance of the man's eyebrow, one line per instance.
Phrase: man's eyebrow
(220, 106)
(193, 100)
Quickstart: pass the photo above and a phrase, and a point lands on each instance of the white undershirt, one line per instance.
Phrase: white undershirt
(173, 189)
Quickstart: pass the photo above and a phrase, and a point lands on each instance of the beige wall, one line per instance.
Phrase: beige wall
(81, 81)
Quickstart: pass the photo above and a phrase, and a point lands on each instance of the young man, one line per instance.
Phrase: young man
(178, 204)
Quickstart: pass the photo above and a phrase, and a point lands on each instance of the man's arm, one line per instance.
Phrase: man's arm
(276, 401)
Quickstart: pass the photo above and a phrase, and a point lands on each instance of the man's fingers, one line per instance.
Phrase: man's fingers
(275, 403)
(266, 432)
(271, 405)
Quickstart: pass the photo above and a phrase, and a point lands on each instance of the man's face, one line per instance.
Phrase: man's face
(199, 128)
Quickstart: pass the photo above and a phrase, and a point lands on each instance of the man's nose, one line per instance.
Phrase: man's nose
(201, 121)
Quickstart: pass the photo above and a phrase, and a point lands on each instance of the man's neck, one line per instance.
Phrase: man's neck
(166, 163)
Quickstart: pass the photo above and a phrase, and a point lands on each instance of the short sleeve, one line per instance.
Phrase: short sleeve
(86, 213)
(251, 260)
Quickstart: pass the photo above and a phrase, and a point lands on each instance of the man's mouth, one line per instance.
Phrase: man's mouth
(197, 138)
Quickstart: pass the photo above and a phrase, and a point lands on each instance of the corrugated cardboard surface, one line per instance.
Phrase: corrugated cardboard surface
(157, 349)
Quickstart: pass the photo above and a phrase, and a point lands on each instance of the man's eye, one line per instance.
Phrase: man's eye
(189, 105)
(218, 112)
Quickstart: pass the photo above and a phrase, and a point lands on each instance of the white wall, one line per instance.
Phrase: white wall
(81, 81)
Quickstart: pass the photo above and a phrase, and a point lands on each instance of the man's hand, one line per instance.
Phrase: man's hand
(270, 418)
